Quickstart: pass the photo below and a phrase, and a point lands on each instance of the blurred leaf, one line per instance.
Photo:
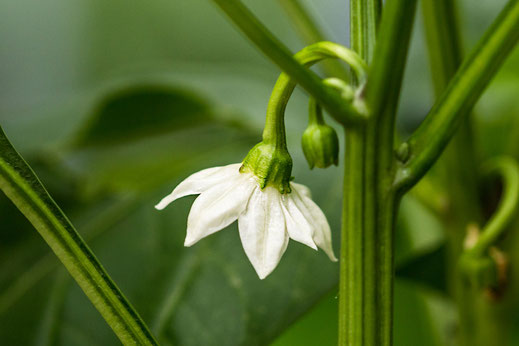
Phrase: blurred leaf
(418, 231)
(142, 110)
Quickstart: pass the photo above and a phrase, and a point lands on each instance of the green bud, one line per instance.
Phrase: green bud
(271, 165)
(320, 146)
(320, 142)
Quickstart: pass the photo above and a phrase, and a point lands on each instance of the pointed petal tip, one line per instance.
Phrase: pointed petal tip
(189, 242)
(332, 257)
(262, 273)
(164, 202)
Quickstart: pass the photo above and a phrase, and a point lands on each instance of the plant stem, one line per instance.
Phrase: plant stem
(282, 57)
(364, 20)
(458, 163)
(428, 141)
(367, 261)
(23, 187)
(507, 170)
(275, 120)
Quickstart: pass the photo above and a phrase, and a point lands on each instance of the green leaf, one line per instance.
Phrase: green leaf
(142, 110)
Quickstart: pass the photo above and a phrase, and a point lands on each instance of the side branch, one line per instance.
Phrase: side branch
(428, 142)
(281, 56)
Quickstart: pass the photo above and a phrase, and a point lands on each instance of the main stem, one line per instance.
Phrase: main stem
(366, 262)
(366, 274)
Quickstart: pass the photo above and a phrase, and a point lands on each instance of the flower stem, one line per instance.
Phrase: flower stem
(274, 131)
(282, 57)
(22, 186)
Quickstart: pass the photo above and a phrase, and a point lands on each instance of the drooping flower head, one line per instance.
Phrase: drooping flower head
(269, 208)
(258, 192)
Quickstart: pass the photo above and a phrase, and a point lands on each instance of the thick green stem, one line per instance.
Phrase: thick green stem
(367, 261)
(20, 184)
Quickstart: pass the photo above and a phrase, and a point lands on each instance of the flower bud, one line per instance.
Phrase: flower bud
(271, 164)
(320, 145)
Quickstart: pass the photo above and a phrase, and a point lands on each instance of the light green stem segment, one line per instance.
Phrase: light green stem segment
(429, 140)
(20, 184)
(274, 132)
(315, 113)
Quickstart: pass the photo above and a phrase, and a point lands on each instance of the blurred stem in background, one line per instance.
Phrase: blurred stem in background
(22, 186)
(459, 161)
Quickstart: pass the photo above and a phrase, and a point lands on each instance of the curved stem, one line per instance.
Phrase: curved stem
(274, 131)
(282, 57)
(22, 186)
(507, 170)
(429, 140)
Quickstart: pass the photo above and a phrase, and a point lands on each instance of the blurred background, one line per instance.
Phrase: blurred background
(113, 103)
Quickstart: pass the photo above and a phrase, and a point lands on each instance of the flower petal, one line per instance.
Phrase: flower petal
(322, 234)
(218, 207)
(302, 189)
(200, 181)
(263, 231)
(298, 227)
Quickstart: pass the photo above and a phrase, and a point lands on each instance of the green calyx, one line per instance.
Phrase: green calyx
(320, 142)
(272, 165)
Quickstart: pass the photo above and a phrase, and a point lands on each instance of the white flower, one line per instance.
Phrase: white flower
(266, 218)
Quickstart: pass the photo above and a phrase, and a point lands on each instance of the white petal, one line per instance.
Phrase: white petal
(262, 230)
(298, 227)
(218, 207)
(199, 182)
(322, 234)
(302, 189)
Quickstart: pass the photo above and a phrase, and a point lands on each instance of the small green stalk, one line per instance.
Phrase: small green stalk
(22, 186)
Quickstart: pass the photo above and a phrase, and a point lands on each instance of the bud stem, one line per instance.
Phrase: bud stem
(315, 112)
